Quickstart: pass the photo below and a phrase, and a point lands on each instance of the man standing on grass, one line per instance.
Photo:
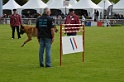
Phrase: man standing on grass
(45, 35)
(72, 19)
(15, 22)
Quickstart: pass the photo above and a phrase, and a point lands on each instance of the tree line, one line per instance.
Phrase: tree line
(22, 2)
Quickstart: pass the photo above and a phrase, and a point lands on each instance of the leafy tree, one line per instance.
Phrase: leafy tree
(97, 1)
(22, 2)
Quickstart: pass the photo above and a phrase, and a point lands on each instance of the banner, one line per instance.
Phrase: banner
(1, 10)
(110, 11)
(66, 3)
(72, 44)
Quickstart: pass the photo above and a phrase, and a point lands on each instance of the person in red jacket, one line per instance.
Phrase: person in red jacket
(2, 17)
(71, 19)
(15, 22)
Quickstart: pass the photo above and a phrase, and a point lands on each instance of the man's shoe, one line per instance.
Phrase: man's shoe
(41, 65)
(49, 66)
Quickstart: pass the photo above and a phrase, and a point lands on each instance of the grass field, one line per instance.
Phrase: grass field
(104, 58)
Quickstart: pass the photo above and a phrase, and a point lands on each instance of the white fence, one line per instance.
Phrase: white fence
(31, 21)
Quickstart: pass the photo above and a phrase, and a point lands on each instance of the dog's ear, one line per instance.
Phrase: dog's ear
(22, 26)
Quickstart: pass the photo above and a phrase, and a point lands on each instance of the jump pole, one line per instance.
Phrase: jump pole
(83, 30)
(60, 45)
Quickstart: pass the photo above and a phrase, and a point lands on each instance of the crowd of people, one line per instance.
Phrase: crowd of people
(118, 16)
(59, 19)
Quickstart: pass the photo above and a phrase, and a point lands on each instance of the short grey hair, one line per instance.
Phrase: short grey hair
(46, 10)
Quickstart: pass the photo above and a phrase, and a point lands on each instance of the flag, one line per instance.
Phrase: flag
(110, 11)
(1, 10)
(66, 3)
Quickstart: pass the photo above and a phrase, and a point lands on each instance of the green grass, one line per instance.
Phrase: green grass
(104, 57)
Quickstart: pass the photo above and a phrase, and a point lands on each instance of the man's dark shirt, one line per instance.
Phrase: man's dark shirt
(44, 25)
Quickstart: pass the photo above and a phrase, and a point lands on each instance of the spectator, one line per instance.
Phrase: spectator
(72, 19)
(107, 22)
(2, 16)
(15, 22)
(96, 13)
(83, 19)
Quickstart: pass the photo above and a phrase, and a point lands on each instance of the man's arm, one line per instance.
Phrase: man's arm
(52, 32)
(37, 30)
(20, 20)
(37, 35)
(77, 21)
(11, 21)
(52, 28)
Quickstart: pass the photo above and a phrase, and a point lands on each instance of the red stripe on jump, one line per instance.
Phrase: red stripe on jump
(75, 43)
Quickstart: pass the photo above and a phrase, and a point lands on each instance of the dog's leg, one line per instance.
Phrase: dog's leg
(29, 39)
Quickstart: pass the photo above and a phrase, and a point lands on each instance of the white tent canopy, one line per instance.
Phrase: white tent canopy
(10, 5)
(119, 7)
(87, 5)
(104, 4)
(34, 4)
(49, 2)
(72, 2)
(58, 4)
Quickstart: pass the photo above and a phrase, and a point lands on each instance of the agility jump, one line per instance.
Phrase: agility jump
(71, 44)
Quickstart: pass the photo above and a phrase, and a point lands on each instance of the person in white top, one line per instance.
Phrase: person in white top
(83, 19)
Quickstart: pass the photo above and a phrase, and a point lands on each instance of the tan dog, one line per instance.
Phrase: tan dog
(30, 31)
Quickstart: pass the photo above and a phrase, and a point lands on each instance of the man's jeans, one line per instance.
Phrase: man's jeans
(45, 44)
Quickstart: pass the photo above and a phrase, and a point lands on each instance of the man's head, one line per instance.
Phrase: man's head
(47, 11)
(14, 11)
(71, 12)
